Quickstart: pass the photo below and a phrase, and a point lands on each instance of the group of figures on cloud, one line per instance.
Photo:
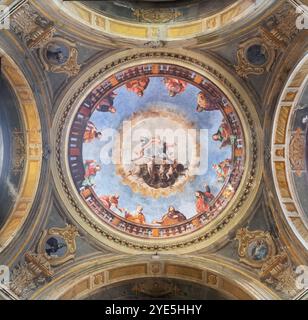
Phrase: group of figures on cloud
(154, 163)
(158, 173)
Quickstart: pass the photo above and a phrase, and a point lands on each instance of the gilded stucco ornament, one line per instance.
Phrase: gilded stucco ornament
(60, 56)
(32, 28)
(255, 247)
(30, 274)
(19, 151)
(258, 250)
(279, 273)
(58, 245)
(297, 151)
(257, 55)
(156, 288)
(161, 15)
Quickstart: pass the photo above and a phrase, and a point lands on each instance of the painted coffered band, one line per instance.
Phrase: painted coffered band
(98, 273)
(33, 150)
(235, 211)
(241, 11)
(281, 151)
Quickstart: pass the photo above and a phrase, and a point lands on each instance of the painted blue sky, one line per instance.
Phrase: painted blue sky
(108, 182)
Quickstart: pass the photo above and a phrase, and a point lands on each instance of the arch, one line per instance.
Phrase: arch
(285, 142)
(32, 150)
(156, 30)
(100, 272)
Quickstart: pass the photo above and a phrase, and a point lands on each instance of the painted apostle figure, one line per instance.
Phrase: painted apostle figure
(138, 217)
(110, 201)
(175, 86)
(224, 135)
(91, 169)
(205, 103)
(222, 169)
(91, 133)
(105, 104)
(138, 86)
(173, 216)
(203, 200)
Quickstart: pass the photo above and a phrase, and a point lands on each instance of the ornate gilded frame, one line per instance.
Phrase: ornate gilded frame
(68, 234)
(245, 238)
(245, 67)
(70, 66)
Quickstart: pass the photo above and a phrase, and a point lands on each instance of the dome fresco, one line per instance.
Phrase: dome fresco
(156, 150)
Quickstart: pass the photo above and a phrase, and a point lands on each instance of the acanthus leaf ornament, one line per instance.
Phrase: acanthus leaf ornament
(31, 27)
(278, 272)
(37, 267)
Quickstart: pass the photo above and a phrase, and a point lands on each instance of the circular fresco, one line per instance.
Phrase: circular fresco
(156, 151)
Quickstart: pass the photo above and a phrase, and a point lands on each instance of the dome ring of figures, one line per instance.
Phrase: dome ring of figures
(103, 214)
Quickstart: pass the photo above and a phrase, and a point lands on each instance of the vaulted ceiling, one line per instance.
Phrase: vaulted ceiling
(73, 226)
